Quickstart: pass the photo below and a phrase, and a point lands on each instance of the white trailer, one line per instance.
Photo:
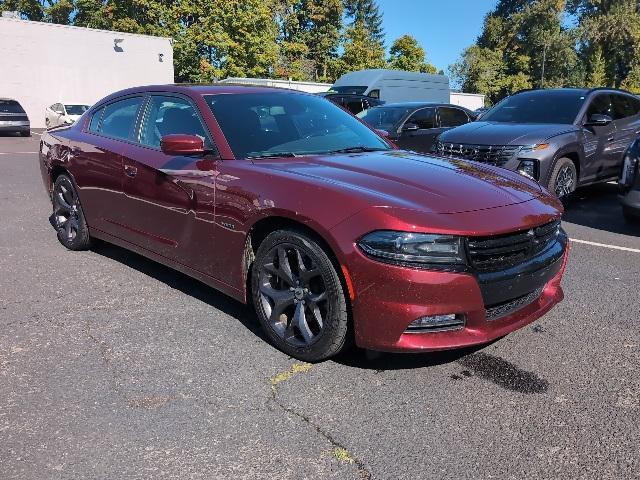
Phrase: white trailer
(44, 63)
(472, 101)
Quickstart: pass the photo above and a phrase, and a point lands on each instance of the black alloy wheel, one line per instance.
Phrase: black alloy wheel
(298, 297)
(68, 216)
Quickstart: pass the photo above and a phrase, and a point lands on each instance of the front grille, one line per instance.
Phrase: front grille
(13, 118)
(494, 312)
(497, 155)
(503, 251)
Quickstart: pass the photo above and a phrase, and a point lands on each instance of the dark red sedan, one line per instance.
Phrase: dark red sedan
(287, 201)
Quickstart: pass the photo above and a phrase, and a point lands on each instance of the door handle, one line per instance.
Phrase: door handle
(130, 171)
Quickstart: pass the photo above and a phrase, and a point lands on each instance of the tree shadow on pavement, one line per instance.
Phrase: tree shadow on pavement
(598, 207)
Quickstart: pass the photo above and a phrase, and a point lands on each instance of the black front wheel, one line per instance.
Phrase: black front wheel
(67, 217)
(564, 179)
(298, 297)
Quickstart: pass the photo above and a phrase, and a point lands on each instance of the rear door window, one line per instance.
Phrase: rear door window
(425, 118)
(452, 117)
(623, 106)
(119, 118)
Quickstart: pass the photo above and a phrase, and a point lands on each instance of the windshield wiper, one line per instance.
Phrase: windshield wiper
(274, 155)
(358, 149)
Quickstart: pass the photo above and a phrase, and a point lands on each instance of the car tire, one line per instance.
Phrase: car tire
(298, 297)
(564, 179)
(25, 134)
(68, 217)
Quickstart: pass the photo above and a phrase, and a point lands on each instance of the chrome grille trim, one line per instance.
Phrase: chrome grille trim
(497, 155)
(502, 310)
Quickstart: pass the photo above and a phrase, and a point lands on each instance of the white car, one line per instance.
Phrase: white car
(63, 113)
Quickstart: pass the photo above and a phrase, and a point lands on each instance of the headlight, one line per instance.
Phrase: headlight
(529, 168)
(413, 248)
(534, 148)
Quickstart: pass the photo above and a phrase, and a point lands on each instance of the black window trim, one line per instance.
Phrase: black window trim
(102, 108)
(143, 113)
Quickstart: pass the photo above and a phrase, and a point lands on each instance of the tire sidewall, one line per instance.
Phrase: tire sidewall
(560, 163)
(335, 327)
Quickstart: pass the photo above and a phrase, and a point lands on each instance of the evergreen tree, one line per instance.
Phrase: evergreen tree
(368, 13)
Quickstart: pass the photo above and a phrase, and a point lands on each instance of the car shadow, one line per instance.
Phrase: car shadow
(356, 357)
(183, 283)
(598, 207)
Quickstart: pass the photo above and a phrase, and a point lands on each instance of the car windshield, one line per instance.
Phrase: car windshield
(10, 106)
(384, 118)
(76, 109)
(538, 106)
(285, 124)
(356, 90)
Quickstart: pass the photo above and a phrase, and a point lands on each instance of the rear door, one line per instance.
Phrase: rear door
(419, 131)
(97, 160)
(170, 198)
(599, 141)
(626, 110)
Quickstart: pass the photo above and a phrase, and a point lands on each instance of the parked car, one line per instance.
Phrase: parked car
(13, 118)
(415, 125)
(630, 183)
(63, 113)
(307, 213)
(393, 86)
(479, 112)
(564, 138)
(354, 103)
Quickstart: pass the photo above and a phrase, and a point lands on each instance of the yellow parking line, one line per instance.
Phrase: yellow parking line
(605, 245)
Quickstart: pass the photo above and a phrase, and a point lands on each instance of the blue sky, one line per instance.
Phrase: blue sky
(444, 28)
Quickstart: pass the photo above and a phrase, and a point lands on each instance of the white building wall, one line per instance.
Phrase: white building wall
(472, 101)
(42, 63)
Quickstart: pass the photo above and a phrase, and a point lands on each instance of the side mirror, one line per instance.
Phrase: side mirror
(410, 127)
(181, 144)
(599, 120)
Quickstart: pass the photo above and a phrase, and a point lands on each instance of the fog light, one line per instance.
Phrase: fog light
(529, 168)
(433, 323)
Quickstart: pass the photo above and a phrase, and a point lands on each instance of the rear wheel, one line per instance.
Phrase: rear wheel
(68, 218)
(298, 297)
(564, 178)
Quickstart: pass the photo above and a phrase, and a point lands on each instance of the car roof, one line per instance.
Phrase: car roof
(583, 91)
(420, 104)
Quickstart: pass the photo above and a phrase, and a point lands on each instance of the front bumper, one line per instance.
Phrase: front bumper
(386, 304)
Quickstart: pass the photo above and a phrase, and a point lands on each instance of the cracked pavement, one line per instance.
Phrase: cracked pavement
(112, 366)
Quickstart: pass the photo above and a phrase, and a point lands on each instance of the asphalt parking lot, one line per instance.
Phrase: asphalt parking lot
(112, 366)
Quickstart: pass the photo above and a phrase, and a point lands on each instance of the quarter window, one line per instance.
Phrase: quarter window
(95, 120)
(424, 118)
(120, 117)
(452, 117)
(170, 115)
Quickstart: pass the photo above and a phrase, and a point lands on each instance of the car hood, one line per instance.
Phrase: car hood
(407, 180)
(493, 133)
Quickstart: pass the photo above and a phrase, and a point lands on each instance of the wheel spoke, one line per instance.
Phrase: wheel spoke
(315, 298)
(300, 321)
(67, 195)
(67, 229)
(284, 270)
(315, 310)
(62, 202)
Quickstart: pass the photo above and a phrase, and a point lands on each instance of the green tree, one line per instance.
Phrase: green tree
(406, 54)
(361, 51)
(368, 13)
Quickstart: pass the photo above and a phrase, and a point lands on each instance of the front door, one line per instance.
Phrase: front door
(599, 141)
(419, 131)
(170, 198)
(626, 110)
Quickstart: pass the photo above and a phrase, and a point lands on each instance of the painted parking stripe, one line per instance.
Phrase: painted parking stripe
(605, 245)
(17, 153)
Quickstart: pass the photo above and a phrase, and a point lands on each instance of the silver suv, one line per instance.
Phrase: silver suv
(564, 138)
(13, 118)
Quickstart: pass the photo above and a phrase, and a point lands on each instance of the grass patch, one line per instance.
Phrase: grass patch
(342, 455)
(295, 369)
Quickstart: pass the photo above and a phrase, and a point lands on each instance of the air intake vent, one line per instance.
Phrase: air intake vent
(496, 155)
(494, 312)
